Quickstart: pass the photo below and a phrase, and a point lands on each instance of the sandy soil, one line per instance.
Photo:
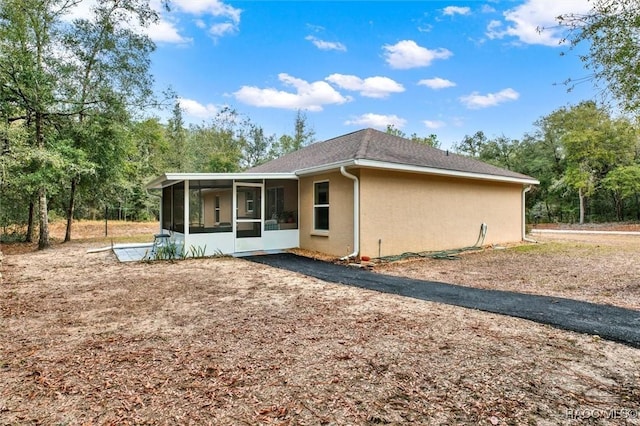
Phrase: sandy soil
(594, 268)
(88, 340)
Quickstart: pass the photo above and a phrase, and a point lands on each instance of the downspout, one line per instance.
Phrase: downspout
(524, 216)
(356, 213)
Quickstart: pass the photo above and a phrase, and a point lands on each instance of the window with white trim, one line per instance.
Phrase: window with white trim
(321, 206)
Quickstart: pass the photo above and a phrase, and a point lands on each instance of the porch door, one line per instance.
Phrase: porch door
(249, 213)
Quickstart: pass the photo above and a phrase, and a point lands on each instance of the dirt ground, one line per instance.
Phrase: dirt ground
(88, 340)
(593, 268)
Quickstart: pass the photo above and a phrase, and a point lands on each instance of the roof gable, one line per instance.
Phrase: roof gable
(376, 146)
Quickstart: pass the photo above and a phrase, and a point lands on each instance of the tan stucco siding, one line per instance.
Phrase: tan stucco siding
(209, 199)
(413, 212)
(339, 240)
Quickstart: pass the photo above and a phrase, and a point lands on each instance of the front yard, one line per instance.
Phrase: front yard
(88, 340)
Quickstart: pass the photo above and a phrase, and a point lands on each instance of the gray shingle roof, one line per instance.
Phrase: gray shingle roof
(374, 145)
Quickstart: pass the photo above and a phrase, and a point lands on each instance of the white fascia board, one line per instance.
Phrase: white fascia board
(325, 168)
(171, 178)
(442, 172)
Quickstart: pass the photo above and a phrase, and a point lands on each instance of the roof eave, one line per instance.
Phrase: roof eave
(443, 172)
(168, 179)
(324, 168)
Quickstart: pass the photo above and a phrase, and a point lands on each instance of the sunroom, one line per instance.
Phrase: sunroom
(214, 213)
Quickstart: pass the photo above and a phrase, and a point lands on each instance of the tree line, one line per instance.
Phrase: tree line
(73, 143)
(587, 162)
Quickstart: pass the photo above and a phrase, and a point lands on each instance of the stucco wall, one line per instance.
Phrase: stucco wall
(209, 199)
(339, 240)
(413, 212)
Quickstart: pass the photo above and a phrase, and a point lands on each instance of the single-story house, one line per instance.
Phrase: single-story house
(367, 193)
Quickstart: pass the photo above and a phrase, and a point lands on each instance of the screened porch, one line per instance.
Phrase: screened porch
(229, 213)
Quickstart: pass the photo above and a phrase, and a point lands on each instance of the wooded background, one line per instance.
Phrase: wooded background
(78, 138)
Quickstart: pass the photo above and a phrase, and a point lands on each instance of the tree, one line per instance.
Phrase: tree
(177, 139)
(593, 144)
(471, 145)
(107, 65)
(302, 136)
(257, 146)
(28, 76)
(502, 152)
(393, 130)
(431, 140)
(624, 183)
(612, 31)
(55, 75)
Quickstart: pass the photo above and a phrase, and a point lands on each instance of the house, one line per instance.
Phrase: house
(365, 193)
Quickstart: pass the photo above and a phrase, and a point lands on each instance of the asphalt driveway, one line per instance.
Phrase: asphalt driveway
(608, 322)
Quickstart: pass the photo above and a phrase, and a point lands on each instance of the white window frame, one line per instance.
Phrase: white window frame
(328, 206)
(249, 202)
(216, 209)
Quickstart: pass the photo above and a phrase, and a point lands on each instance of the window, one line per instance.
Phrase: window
(321, 206)
(217, 210)
(249, 202)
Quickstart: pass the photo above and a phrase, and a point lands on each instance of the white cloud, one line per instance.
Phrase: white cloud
(478, 101)
(326, 45)
(377, 120)
(434, 124)
(223, 19)
(223, 28)
(526, 20)
(436, 83)
(371, 87)
(407, 54)
(196, 109)
(220, 18)
(308, 96)
(166, 32)
(456, 10)
(487, 9)
(208, 7)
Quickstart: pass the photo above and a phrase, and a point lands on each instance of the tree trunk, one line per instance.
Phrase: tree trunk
(619, 207)
(43, 213)
(43, 240)
(29, 237)
(70, 210)
(581, 196)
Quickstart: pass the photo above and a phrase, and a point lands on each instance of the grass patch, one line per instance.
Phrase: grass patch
(543, 248)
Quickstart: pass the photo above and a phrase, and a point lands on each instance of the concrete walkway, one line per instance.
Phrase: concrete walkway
(609, 322)
(582, 231)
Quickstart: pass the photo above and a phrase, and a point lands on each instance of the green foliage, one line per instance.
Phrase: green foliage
(431, 140)
(571, 152)
(611, 30)
(471, 145)
(172, 250)
(302, 136)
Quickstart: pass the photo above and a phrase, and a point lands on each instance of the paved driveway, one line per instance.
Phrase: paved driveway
(609, 322)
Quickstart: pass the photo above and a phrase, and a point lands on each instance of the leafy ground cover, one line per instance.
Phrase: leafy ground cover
(88, 340)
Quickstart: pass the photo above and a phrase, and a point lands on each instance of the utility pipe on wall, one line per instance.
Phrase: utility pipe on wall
(356, 213)
(524, 216)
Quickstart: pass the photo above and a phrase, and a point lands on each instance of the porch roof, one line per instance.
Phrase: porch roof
(168, 179)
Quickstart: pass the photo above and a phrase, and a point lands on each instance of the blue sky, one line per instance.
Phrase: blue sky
(445, 67)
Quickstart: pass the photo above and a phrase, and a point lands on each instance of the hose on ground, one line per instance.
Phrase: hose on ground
(452, 254)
